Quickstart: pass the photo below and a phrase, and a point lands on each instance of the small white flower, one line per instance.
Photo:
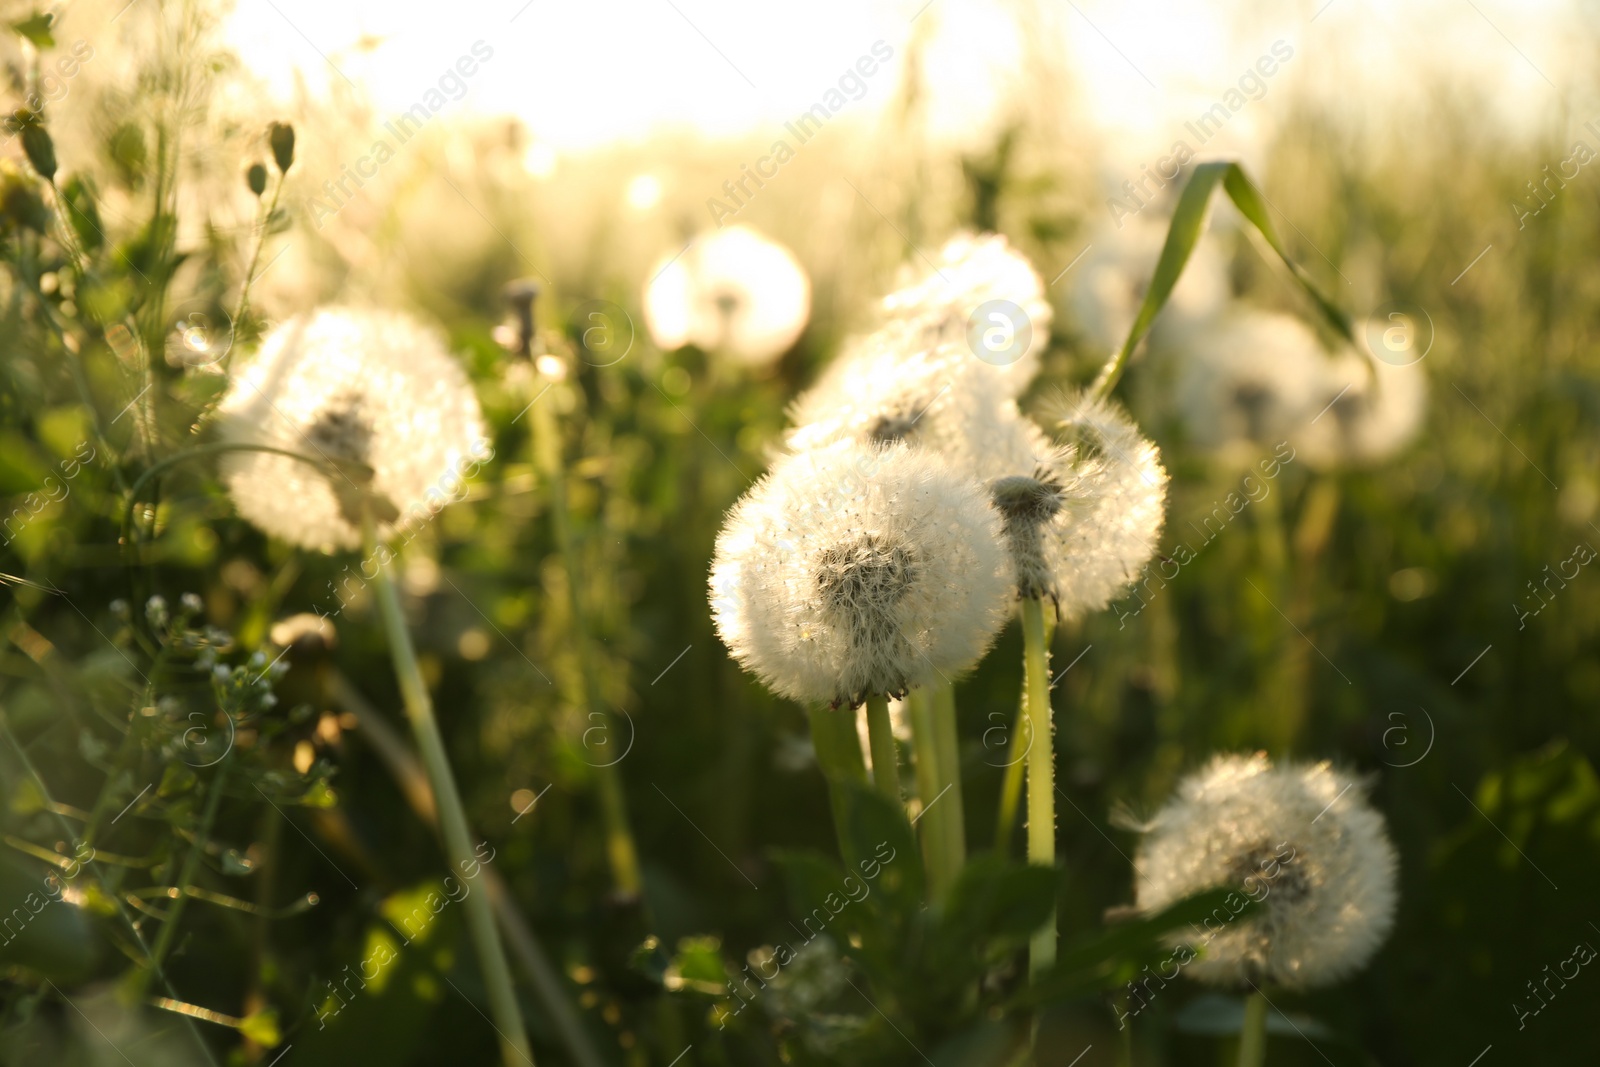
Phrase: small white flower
(732, 292)
(851, 569)
(376, 399)
(1302, 840)
(1109, 284)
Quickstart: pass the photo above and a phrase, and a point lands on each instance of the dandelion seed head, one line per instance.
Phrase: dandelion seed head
(854, 569)
(732, 292)
(932, 310)
(1301, 839)
(376, 399)
(1118, 503)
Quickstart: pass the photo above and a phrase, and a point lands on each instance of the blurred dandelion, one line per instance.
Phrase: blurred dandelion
(731, 292)
(1301, 839)
(375, 398)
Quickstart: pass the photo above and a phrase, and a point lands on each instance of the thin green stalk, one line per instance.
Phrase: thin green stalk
(953, 810)
(1253, 1034)
(514, 1047)
(925, 753)
(1041, 771)
(624, 855)
(264, 221)
(885, 755)
(191, 862)
(838, 747)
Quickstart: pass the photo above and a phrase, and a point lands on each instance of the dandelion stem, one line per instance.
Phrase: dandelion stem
(1253, 1034)
(833, 735)
(885, 756)
(1041, 771)
(930, 773)
(514, 1047)
(953, 814)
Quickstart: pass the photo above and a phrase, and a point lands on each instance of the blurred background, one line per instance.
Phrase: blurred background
(1409, 597)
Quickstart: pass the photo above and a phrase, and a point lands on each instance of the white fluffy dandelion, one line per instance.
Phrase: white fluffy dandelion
(732, 292)
(853, 570)
(376, 400)
(1303, 841)
(981, 304)
(1086, 518)
(927, 375)
(1109, 285)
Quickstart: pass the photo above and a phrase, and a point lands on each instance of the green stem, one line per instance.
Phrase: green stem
(833, 735)
(1253, 1034)
(885, 755)
(191, 862)
(925, 750)
(1041, 771)
(265, 222)
(514, 1047)
(953, 813)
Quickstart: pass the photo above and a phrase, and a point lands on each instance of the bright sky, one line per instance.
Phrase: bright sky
(588, 73)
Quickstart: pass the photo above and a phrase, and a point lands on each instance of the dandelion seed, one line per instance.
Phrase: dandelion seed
(376, 400)
(852, 570)
(732, 292)
(1302, 840)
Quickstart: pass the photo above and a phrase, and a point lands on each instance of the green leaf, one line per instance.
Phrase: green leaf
(82, 212)
(881, 845)
(698, 966)
(1188, 221)
(996, 898)
(36, 28)
(1085, 965)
